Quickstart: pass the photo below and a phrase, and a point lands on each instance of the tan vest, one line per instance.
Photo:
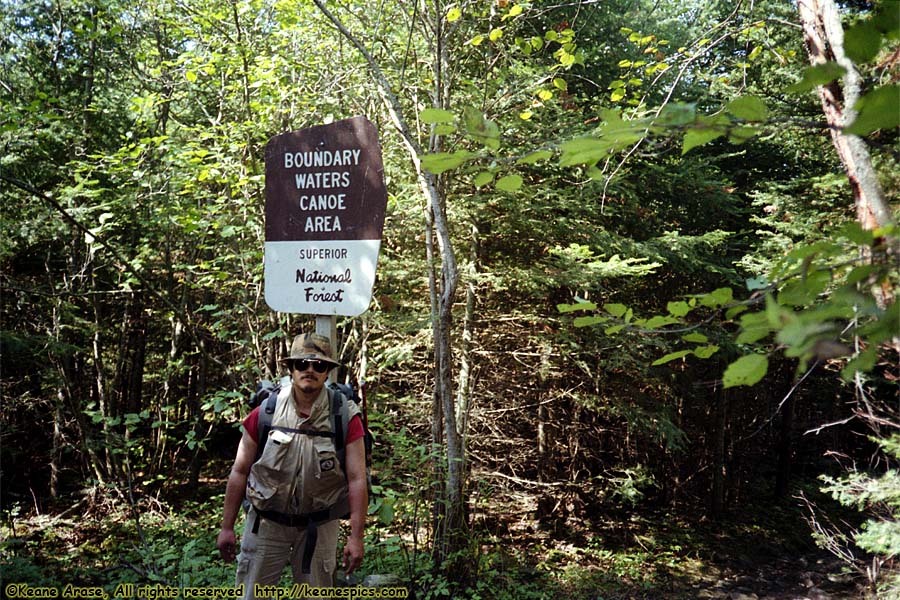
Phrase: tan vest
(299, 473)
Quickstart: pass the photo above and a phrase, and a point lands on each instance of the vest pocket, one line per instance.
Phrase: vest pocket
(268, 473)
(328, 467)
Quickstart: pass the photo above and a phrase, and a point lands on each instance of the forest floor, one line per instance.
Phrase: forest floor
(639, 554)
(761, 552)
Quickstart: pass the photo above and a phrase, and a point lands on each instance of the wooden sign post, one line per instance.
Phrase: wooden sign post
(325, 205)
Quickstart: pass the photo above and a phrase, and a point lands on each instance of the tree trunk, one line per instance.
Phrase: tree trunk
(104, 405)
(783, 476)
(825, 42)
(450, 536)
(464, 383)
(55, 454)
(717, 493)
(543, 444)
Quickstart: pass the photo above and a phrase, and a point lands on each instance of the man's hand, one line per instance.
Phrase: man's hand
(226, 543)
(353, 554)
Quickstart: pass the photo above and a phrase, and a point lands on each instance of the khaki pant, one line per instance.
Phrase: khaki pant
(264, 554)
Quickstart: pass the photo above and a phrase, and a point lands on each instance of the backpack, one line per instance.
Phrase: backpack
(266, 397)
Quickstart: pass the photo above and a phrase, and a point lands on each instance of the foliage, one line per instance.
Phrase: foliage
(106, 550)
(878, 496)
(657, 171)
(849, 317)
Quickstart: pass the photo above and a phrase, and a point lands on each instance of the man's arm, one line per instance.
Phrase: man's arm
(234, 495)
(359, 504)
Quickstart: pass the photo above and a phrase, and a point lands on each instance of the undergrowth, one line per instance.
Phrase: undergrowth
(644, 554)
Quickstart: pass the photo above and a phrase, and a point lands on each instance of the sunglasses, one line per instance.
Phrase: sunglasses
(319, 366)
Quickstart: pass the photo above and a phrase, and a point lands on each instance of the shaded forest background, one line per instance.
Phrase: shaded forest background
(595, 209)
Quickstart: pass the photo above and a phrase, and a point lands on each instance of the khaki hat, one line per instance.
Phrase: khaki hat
(311, 346)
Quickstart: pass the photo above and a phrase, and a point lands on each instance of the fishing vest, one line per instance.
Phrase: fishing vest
(299, 477)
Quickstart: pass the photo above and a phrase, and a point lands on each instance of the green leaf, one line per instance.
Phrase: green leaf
(436, 115)
(854, 232)
(705, 351)
(453, 14)
(496, 34)
(754, 327)
(887, 19)
(716, 298)
(444, 129)
(803, 251)
(589, 321)
(864, 363)
(817, 75)
(748, 108)
(695, 338)
(566, 59)
(798, 336)
(670, 357)
(734, 311)
(877, 110)
(534, 157)
(705, 130)
(617, 131)
(860, 273)
(676, 114)
(481, 129)
(614, 329)
(567, 308)
(439, 162)
(583, 150)
(510, 183)
(678, 309)
(800, 292)
(747, 370)
(483, 178)
(560, 84)
(386, 511)
(862, 42)
(886, 327)
(739, 135)
(616, 310)
(658, 321)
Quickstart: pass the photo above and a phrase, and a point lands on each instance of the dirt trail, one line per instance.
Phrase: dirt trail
(807, 577)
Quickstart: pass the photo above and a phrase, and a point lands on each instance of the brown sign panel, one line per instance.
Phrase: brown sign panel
(325, 204)
(325, 183)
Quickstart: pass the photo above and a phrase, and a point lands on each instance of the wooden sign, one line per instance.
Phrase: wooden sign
(325, 204)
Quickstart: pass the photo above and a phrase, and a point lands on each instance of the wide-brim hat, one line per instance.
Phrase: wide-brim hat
(311, 346)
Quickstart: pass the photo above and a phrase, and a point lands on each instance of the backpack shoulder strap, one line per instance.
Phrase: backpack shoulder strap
(264, 419)
(338, 416)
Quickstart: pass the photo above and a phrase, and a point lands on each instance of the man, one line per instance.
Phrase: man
(297, 489)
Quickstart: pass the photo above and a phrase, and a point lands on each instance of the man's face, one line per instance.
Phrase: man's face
(309, 375)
